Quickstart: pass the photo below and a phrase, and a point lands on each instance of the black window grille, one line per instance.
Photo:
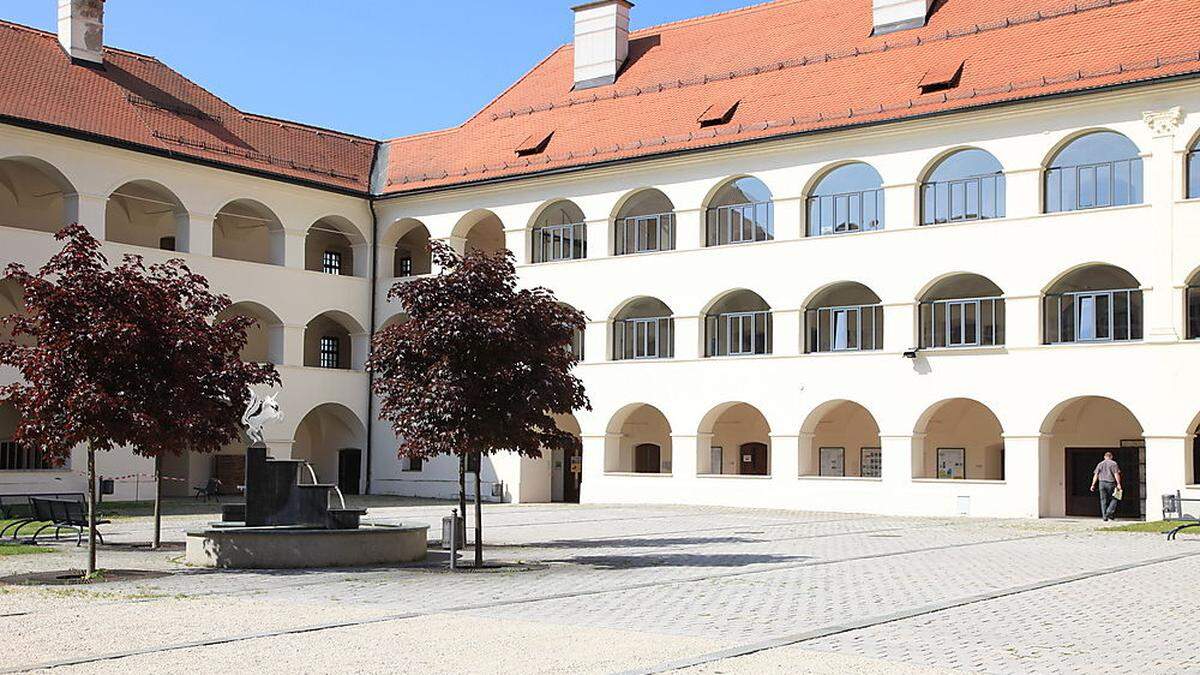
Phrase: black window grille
(16, 457)
(331, 262)
(331, 352)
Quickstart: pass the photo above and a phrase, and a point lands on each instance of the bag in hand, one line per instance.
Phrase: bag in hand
(1118, 494)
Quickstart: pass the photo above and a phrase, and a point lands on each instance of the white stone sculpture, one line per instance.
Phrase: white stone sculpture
(260, 411)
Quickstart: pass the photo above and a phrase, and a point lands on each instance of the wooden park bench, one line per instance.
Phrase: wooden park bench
(62, 513)
(1184, 511)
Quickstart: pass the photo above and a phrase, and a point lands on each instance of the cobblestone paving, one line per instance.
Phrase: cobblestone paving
(788, 588)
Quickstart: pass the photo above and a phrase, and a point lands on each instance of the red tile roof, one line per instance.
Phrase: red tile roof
(793, 66)
(138, 100)
(801, 66)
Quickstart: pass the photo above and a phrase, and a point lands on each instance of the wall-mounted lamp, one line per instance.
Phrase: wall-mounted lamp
(911, 353)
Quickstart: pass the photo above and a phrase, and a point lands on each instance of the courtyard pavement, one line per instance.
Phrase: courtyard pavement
(638, 589)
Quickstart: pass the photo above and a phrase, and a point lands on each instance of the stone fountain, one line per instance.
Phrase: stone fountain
(287, 523)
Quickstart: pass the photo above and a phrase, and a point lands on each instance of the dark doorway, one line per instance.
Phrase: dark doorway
(647, 458)
(753, 459)
(573, 476)
(349, 470)
(1081, 464)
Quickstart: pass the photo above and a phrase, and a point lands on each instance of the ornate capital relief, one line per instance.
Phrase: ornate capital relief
(1163, 122)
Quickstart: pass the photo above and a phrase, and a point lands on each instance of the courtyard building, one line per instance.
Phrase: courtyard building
(912, 258)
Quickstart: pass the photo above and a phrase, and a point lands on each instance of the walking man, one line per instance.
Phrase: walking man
(1108, 477)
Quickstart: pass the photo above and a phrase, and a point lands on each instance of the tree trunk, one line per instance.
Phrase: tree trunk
(157, 503)
(91, 470)
(478, 512)
(462, 489)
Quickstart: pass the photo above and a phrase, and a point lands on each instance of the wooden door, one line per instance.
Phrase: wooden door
(573, 478)
(349, 470)
(752, 458)
(647, 458)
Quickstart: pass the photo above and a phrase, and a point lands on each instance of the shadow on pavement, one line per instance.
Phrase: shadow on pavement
(726, 560)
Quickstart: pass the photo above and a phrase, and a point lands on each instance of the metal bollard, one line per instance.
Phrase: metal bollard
(454, 540)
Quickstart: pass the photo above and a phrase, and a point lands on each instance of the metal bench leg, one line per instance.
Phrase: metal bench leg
(33, 539)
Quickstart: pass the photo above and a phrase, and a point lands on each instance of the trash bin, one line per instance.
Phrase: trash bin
(447, 523)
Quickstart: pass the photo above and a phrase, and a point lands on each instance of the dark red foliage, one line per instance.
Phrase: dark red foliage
(129, 356)
(480, 365)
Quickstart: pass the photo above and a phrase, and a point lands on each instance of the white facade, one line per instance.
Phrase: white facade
(1016, 411)
(1042, 398)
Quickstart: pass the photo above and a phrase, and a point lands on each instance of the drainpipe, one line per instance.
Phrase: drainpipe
(373, 276)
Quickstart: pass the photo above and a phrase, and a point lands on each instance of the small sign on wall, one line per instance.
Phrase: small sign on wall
(952, 463)
(872, 463)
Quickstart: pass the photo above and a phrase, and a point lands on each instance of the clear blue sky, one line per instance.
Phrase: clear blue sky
(380, 68)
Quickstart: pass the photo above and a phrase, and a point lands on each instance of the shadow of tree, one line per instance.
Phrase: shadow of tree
(636, 542)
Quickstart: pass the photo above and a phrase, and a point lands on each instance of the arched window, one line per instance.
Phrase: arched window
(738, 325)
(1193, 308)
(1193, 172)
(645, 223)
(247, 230)
(845, 317)
(1093, 171)
(144, 213)
(644, 329)
(560, 233)
(1098, 303)
(964, 310)
(33, 195)
(329, 247)
(740, 212)
(847, 199)
(967, 185)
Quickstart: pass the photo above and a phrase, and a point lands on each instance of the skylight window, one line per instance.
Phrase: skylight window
(719, 113)
(941, 78)
(534, 144)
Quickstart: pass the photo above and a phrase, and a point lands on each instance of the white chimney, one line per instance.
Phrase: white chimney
(81, 30)
(894, 15)
(601, 41)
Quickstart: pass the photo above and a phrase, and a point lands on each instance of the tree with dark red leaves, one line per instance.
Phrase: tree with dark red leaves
(125, 356)
(480, 366)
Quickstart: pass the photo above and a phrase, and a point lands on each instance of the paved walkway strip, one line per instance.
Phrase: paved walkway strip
(869, 622)
(491, 604)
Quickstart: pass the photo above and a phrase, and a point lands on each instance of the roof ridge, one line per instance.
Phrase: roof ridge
(54, 36)
(831, 120)
(1064, 9)
(268, 119)
(705, 18)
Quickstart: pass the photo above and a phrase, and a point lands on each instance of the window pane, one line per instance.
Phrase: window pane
(940, 326)
(1120, 316)
(1087, 317)
(1135, 311)
(956, 323)
(971, 323)
(925, 321)
(1067, 315)
(1193, 313)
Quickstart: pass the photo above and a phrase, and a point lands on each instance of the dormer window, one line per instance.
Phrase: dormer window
(719, 113)
(534, 144)
(941, 79)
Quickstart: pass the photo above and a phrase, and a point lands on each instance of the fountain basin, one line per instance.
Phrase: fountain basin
(289, 547)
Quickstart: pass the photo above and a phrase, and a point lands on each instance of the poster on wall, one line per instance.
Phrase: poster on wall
(872, 463)
(833, 461)
(952, 463)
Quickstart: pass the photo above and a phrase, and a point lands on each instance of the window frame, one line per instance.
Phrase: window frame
(930, 340)
(931, 206)
(723, 323)
(1137, 185)
(664, 229)
(1134, 320)
(15, 458)
(625, 349)
(567, 241)
(718, 234)
(816, 204)
(816, 319)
